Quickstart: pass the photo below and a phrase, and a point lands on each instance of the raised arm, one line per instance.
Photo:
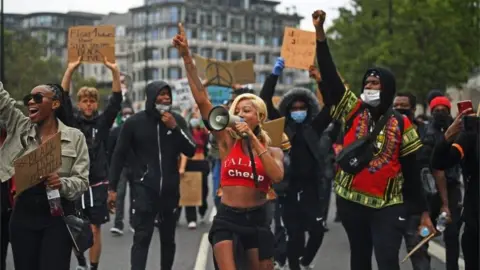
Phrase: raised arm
(67, 76)
(13, 118)
(268, 88)
(326, 64)
(198, 90)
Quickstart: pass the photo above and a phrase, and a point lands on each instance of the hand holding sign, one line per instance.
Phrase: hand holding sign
(53, 181)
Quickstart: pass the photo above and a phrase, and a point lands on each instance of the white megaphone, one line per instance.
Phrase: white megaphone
(219, 118)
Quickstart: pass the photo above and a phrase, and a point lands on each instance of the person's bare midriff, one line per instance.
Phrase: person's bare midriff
(242, 197)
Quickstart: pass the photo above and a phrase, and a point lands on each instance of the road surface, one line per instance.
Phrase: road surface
(194, 252)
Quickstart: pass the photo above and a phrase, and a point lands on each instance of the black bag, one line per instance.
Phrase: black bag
(356, 156)
(80, 232)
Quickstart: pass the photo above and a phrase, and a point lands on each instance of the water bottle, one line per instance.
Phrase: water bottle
(442, 222)
(424, 232)
(55, 202)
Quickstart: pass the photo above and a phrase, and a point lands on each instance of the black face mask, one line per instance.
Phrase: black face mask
(406, 112)
(442, 119)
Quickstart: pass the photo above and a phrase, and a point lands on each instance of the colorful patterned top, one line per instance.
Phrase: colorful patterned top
(380, 183)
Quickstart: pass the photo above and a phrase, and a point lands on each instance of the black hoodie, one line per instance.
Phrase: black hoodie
(156, 149)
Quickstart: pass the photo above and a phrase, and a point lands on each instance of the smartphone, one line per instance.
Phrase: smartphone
(464, 105)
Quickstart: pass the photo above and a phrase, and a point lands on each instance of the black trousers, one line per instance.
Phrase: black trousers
(126, 178)
(146, 207)
(300, 216)
(451, 234)
(370, 229)
(38, 247)
(4, 238)
(280, 232)
(470, 243)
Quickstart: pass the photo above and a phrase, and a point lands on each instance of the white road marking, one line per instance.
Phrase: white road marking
(202, 255)
(438, 252)
(212, 214)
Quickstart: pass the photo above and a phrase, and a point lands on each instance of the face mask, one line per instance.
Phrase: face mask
(371, 97)
(298, 116)
(406, 112)
(441, 119)
(161, 108)
(194, 122)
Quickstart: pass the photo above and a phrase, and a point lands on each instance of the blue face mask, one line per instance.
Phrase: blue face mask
(298, 116)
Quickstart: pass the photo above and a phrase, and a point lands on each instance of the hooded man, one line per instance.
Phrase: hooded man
(156, 137)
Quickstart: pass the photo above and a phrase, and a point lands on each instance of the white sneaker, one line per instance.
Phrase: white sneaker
(116, 231)
(307, 267)
(132, 229)
(202, 219)
(81, 268)
(277, 266)
(192, 225)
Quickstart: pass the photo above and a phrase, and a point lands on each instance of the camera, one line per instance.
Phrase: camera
(471, 124)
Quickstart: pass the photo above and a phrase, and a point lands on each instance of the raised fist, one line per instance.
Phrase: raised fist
(318, 18)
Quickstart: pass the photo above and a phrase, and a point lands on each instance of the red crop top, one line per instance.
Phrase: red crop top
(237, 170)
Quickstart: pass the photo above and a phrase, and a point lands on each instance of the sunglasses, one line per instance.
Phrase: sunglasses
(37, 98)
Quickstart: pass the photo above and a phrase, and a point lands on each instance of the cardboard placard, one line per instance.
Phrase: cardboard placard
(46, 159)
(191, 189)
(298, 48)
(181, 94)
(219, 94)
(274, 130)
(91, 42)
(224, 73)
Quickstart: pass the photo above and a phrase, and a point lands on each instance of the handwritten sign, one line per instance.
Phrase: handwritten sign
(182, 95)
(219, 94)
(46, 159)
(91, 42)
(298, 48)
(225, 73)
(191, 189)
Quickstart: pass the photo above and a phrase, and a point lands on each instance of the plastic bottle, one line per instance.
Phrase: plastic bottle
(424, 232)
(442, 222)
(54, 201)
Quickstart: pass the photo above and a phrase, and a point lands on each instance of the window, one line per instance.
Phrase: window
(172, 31)
(206, 35)
(155, 74)
(250, 39)
(172, 53)
(264, 59)
(237, 38)
(174, 14)
(206, 52)
(235, 23)
(209, 19)
(221, 37)
(260, 77)
(174, 73)
(156, 54)
(261, 40)
(154, 35)
(236, 56)
(250, 23)
(250, 56)
(275, 42)
(222, 21)
(221, 55)
(120, 31)
(191, 17)
(193, 49)
(289, 79)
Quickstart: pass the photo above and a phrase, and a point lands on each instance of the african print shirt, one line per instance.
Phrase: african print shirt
(380, 183)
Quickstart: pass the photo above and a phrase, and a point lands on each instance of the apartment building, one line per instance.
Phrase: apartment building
(223, 29)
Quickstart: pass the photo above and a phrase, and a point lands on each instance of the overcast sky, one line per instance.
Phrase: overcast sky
(304, 7)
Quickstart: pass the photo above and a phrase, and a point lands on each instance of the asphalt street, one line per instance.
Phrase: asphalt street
(194, 252)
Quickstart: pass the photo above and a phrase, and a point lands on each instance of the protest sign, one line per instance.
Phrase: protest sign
(46, 159)
(298, 48)
(219, 94)
(191, 189)
(224, 73)
(181, 94)
(93, 43)
(274, 130)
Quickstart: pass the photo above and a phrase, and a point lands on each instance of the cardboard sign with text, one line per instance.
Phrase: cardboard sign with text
(91, 42)
(298, 48)
(181, 94)
(274, 130)
(224, 73)
(46, 159)
(191, 189)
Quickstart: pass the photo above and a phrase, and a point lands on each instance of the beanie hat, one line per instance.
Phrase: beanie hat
(440, 101)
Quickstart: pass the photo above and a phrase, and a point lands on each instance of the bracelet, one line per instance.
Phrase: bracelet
(259, 155)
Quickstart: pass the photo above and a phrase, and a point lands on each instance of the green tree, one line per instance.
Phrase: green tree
(26, 65)
(433, 43)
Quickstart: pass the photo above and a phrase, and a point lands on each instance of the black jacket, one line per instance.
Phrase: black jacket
(155, 148)
(96, 131)
(309, 145)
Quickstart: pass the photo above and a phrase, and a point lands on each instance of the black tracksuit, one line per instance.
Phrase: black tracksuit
(156, 151)
(308, 176)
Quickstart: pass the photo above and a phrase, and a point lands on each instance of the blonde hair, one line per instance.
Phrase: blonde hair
(262, 115)
(87, 92)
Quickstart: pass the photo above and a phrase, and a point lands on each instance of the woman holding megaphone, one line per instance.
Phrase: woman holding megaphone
(245, 178)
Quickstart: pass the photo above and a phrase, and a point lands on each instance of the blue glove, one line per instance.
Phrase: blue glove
(279, 66)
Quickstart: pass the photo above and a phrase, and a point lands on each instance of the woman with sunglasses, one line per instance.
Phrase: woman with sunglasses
(39, 237)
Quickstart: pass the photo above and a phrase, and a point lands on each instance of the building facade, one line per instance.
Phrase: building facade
(227, 30)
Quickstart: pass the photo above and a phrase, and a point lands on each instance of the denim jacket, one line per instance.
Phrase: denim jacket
(22, 138)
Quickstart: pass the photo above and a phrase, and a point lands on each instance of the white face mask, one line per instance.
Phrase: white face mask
(161, 108)
(371, 97)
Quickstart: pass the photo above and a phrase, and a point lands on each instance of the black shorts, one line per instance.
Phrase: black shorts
(250, 226)
(94, 205)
